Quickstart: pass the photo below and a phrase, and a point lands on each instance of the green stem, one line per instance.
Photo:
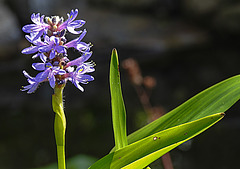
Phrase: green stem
(61, 157)
(59, 125)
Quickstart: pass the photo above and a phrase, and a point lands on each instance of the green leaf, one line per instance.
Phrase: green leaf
(118, 108)
(143, 152)
(215, 99)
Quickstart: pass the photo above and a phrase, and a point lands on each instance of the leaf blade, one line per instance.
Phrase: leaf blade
(143, 152)
(118, 108)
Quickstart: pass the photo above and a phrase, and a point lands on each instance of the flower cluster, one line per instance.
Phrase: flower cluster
(47, 35)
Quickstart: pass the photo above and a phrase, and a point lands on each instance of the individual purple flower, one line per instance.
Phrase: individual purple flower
(33, 83)
(79, 76)
(39, 26)
(70, 24)
(52, 45)
(77, 44)
(33, 48)
(49, 72)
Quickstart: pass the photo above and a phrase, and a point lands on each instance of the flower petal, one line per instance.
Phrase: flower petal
(33, 88)
(35, 18)
(61, 49)
(51, 79)
(71, 30)
(39, 66)
(52, 54)
(85, 78)
(27, 75)
(42, 76)
(43, 57)
(38, 35)
(77, 23)
(82, 35)
(82, 46)
(80, 60)
(73, 15)
(30, 50)
(45, 48)
(61, 72)
(76, 83)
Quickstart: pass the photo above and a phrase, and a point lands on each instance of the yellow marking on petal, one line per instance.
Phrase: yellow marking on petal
(80, 70)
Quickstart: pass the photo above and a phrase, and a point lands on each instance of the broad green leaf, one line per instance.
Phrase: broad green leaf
(118, 108)
(215, 99)
(145, 151)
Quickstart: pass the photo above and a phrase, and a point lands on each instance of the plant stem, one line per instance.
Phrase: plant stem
(135, 73)
(59, 125)
(167, 161)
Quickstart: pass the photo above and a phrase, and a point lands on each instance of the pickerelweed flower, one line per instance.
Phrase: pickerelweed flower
(47, 35)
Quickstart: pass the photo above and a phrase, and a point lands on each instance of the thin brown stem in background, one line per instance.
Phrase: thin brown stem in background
(143, 86)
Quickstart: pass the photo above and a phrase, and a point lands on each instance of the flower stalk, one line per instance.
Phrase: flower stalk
(59, 124)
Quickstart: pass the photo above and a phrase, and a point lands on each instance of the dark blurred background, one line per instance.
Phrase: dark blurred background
(184, 45)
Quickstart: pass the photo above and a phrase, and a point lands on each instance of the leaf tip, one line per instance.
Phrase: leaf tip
(114, 52)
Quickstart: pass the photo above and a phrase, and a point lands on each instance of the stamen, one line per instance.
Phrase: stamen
(91, 63)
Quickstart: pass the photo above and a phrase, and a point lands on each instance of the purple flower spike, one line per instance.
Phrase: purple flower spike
(38, 27)
(50, 45)
(70, 24)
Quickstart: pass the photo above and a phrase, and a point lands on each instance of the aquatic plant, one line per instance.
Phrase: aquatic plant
(47, 35)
